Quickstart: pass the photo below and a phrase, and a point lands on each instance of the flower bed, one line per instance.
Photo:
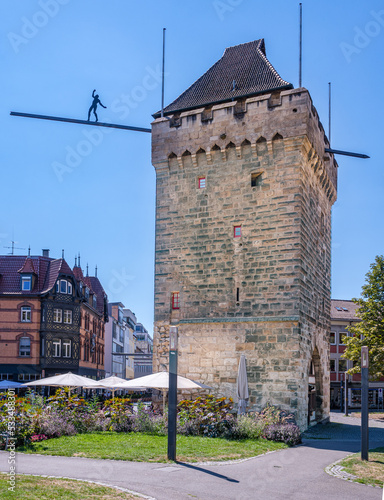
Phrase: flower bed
(63, 415)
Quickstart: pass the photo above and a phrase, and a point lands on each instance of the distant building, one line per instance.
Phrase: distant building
(51, 319)
(144, 349)
(114, 341)
(343, 315)
(129, 342)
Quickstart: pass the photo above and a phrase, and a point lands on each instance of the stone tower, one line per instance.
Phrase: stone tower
(243, 234)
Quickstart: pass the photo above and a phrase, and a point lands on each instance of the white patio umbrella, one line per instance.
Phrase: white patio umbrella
(160, 381)
(242, 386)
(65, 380)
(9, 384)
(112, 383)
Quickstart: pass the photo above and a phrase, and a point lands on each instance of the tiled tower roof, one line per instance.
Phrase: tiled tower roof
(243, 71)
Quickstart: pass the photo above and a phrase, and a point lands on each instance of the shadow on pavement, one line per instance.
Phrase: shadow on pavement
(341, 436)
(200, 469)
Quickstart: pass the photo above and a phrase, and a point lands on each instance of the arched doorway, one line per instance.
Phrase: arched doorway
(315, 389)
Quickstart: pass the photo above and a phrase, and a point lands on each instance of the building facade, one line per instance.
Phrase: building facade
(51, 319)
(143, 350)
(114, 338)
(343, 315)
(243, 229)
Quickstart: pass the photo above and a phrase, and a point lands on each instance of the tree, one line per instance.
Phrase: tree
(370, 330)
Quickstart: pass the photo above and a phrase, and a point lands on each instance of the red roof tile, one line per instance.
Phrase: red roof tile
(27, 266)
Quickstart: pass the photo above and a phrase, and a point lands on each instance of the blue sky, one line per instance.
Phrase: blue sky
(66, 186)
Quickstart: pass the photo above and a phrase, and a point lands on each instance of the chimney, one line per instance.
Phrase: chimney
(45, 252)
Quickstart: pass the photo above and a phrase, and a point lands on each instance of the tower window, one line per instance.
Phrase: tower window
(202, 182)
(237, 294)
(175, 300)
(236, 231)
(256, 179)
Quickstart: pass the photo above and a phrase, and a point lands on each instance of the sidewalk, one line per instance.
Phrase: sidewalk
(295, 473)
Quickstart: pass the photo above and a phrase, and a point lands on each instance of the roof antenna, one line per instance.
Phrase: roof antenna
(300, 44)
(29, 250)
(62, 254)
(337, 151)
(329, 113)
(87, 268)
(162, 76)
(75, 261)
(79, 260)
(96, 272)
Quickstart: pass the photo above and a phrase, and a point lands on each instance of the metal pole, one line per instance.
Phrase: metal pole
(162, 76)
(329, 112)
(300, 42)
(341, 394)
(364, 403)
(172, 395)
(346, 394)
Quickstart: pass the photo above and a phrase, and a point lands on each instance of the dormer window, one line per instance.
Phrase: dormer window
(64, 286)
(87, 293)
(26, 283)
(94, 301)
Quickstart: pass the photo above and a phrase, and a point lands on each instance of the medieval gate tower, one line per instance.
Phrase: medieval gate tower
(243, 234)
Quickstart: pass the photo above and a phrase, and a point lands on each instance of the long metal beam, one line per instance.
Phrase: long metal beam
(82, 122)
(135, 354)
(345, 153)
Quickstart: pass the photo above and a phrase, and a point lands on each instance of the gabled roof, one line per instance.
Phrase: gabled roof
(78, 272)
(95, 286)
(344, 310)
(27, 267)
(243, 71)
(57, 267)
(46, 270)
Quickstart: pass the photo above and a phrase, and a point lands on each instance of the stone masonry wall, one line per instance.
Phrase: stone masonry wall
(266, 293)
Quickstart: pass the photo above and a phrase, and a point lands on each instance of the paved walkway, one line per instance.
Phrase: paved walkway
(296, 473)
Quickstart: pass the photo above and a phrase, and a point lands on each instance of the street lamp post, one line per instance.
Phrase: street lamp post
(341, 393)
(172, 393)
(364, 403)
(346, 394)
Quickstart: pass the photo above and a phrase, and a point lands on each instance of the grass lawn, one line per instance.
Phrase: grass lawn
(149, 448)
(368, 472)
(45, 488)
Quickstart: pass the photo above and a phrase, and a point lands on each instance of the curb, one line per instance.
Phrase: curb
(125, 490)
(339, 472)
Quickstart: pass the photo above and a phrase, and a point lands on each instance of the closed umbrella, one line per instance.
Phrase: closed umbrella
(242, 386)
(65, 380)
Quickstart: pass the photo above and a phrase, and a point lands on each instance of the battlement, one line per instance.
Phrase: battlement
(288, 115)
